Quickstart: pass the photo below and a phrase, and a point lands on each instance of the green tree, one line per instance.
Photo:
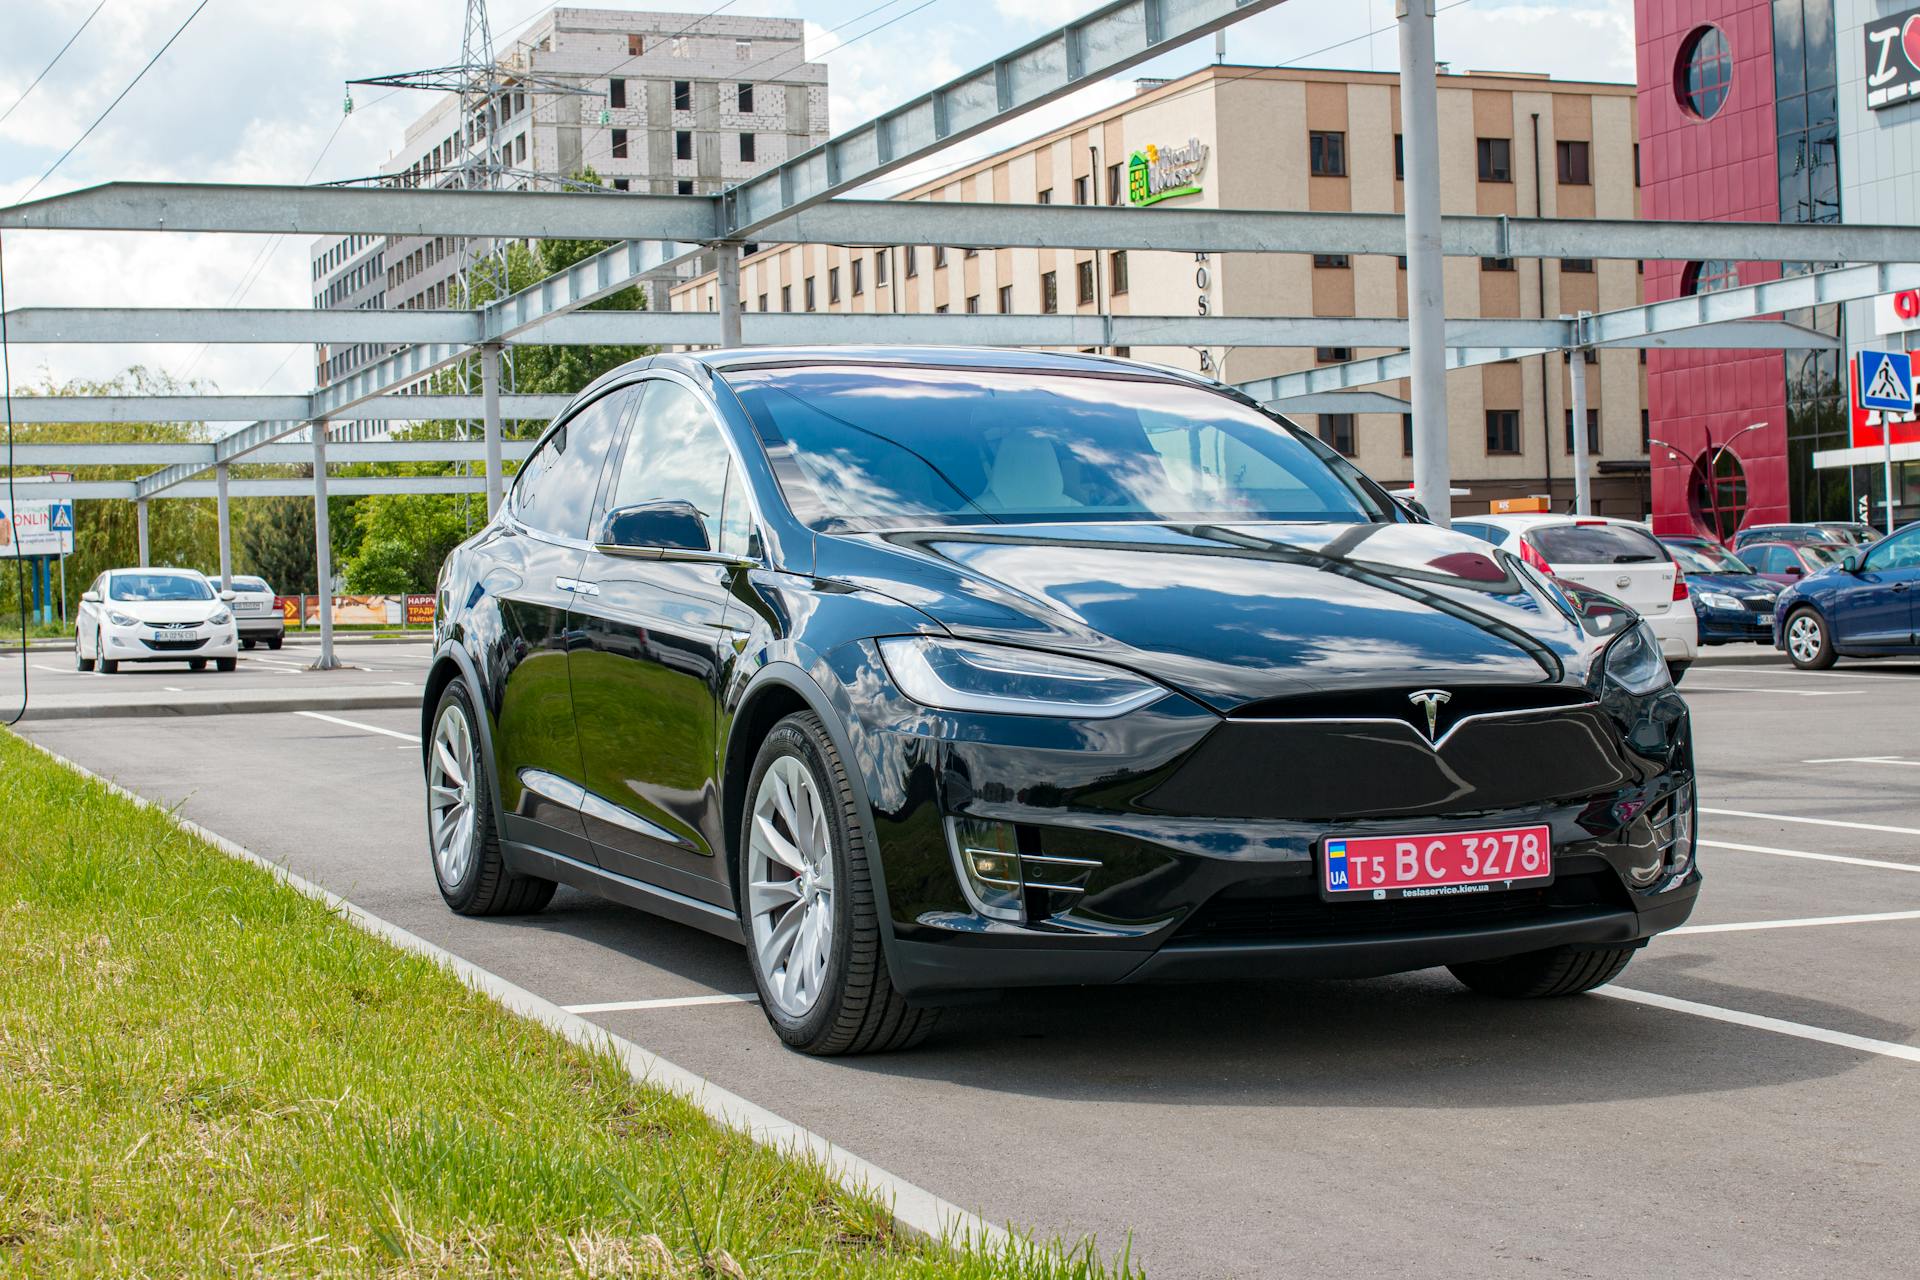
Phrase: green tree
(273, 537)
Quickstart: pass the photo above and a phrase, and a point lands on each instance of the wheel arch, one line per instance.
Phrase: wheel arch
(453, 661)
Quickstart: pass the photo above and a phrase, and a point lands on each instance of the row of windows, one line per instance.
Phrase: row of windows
(1085, 278)
(683, 146)
(1327, 158)
(1342, 261)
(1337, 431)
(341, 288)
(339, 253)
(682, 46)
(683, 95)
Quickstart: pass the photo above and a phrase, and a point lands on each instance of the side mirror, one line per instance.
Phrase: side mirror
(1850, 562)
(227, 597)
(1416, 506)
(653, 528)
(1794, 571)
(90, 597)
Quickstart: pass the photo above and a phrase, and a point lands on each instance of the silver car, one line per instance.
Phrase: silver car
(257, 611)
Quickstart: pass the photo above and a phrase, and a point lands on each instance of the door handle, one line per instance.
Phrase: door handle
(577, 587)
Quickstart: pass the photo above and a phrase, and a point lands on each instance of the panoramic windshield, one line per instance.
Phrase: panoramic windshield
(158, 586)
(1707, 560)
(866, 447)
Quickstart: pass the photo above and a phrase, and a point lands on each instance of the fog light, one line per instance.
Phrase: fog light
(988, 857)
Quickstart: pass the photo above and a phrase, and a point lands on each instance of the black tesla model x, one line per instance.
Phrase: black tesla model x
(926, 672)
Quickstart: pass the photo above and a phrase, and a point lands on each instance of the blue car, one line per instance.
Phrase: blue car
(1733, 603)
(1864, 607)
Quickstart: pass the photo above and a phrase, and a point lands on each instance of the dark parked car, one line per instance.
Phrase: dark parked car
(1862, 608)
(1853, 531)
(1788, 562)
(1731, 601)
(1798, 533)
(927, 672)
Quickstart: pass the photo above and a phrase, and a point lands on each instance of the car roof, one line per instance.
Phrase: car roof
(1534, 519)
(728, 359)
(160, 569)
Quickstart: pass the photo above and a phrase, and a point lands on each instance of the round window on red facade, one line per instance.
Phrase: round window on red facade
(1704, 73)
(1710, 276)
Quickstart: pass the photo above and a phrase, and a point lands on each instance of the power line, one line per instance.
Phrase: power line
(56, 58)
(117, 99)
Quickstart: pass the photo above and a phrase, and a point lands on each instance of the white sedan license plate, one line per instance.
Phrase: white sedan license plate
(178, 633)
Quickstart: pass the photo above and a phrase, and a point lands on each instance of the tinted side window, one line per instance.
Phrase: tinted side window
(674, 453)
(556, 486)
(1901, 551)
(1776, 559)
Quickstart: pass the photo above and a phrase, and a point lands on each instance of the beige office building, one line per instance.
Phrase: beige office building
(1271, 138)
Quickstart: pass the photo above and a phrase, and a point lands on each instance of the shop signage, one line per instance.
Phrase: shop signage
(420, 610)
(1893, 59)
(1161, 173)
(43, 528)
(1897, 312)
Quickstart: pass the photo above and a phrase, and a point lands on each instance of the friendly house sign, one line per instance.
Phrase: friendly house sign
(1158, 173)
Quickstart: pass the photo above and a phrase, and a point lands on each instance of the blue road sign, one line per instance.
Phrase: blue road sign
(1886, 380)
(62, 517)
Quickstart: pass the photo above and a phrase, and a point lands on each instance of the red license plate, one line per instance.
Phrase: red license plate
(1434, 865)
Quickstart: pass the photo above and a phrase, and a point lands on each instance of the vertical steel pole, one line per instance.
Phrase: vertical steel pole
(226, 527)
(140, 527)
(323, 548)
(728, 254)
(1886, 462)
(1426, 269)
(1582, 493)
(490, 411)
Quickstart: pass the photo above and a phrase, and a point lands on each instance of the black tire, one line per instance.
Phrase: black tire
(858, 1010)
(225, 664)
(1677, 671)
(273, 643)
(1557, 971)
(196, 664)
(487, 887)
(1815, 657)
(80, 663)
(246, 644)
(108, 666)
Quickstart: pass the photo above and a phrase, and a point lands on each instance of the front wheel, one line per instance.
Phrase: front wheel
(1557, 971)
(81, 662)
(467, 863)
(107, 665)
(1676, 671)
(225, 664)
(1809, 646)
(813, 930)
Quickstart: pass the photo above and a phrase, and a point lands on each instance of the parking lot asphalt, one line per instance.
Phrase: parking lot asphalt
(1746, 1104)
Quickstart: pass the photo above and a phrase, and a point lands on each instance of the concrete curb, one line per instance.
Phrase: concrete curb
(915, 1209)
(373, 700)
(1765, 658)
(298, 639)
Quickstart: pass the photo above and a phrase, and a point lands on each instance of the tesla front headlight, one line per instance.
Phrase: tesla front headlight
(958, 675)
(119, 619)
(220, 618)
(1635, 663)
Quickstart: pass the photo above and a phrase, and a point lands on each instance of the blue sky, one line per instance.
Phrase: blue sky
(252, 93)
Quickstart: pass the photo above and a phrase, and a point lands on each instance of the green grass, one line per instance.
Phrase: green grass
(203, 1072)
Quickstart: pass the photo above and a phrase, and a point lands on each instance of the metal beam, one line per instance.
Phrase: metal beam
(97, 454)
(387, 408)
(1342, 402)
(163, 206)
(290, 487)
(237, 325)
(1091, 48)
(395, 211)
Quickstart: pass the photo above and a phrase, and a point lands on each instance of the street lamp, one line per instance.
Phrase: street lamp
(1713, 464)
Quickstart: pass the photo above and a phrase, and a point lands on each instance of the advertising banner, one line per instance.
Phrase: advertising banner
(419, 611)
(35, 528)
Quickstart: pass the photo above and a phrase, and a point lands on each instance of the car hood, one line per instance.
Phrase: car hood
(1232, 614)
(1742, 584)
(164, 610)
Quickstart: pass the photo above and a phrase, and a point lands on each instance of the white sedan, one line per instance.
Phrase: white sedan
(154, 615)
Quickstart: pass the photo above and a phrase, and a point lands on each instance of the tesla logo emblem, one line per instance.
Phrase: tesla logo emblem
(1431, 700)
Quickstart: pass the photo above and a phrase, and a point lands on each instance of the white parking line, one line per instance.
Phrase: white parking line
(1778, 693)
(1911, 764)
(41, 666)
(1813, 822)
(1806, 923)
(1781, 669)
(1817, 857)
(391, 733)
(1800, 1030)
(666, 1002)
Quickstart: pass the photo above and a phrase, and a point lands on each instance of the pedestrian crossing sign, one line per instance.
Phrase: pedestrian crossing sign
(1886, 381)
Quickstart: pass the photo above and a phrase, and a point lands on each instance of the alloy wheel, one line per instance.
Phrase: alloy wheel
(1803, 638)
(790, 886)
(450, 795)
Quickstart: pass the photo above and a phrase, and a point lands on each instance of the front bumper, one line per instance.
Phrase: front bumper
(150, 644)
(1723, 626)
(1171, 844)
